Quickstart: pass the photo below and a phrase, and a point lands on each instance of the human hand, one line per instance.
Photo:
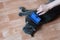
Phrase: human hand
(42, 9)
(45, 7)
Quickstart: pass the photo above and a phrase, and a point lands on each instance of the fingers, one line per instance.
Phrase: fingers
(41, 13)
(40, 9)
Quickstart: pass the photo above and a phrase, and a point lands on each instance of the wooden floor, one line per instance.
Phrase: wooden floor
(11, 24)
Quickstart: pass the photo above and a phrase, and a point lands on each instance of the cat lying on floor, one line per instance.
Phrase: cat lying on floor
(31, 27)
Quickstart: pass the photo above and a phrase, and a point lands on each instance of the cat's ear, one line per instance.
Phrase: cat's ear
(21, 14)
(22, 9)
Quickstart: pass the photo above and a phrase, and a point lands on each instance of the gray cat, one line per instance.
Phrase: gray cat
(31, 27)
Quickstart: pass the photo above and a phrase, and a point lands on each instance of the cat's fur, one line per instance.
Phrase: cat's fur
(30, 27)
